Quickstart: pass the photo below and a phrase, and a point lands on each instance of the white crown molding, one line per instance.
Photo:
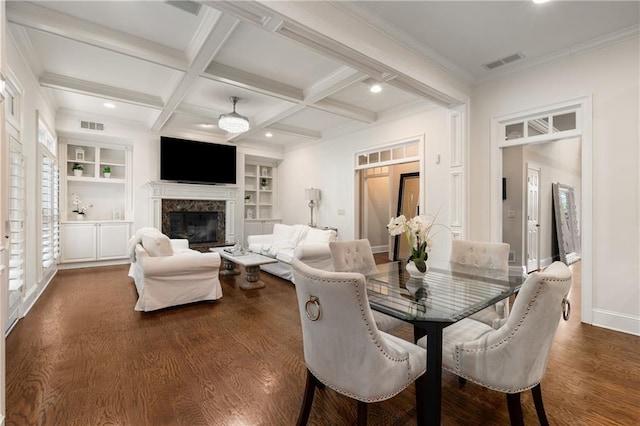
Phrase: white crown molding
(56, 81)
(390, 31)
(27, 52)
(25, 48)
(579, 49)
(52, 22)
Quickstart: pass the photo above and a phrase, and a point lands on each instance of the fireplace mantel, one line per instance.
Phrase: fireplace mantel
(159, 191)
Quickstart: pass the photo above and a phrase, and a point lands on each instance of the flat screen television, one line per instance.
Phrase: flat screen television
(188, 161)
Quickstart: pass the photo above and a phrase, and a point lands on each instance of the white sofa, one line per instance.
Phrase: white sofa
(167, 273)
(310, 245)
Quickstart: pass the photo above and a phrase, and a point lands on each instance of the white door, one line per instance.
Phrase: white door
(112, 240)
(533, 214)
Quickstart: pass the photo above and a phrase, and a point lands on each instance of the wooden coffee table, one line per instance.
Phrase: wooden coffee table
(251, 263)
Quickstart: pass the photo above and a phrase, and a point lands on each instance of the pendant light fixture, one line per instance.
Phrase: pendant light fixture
(233, 122)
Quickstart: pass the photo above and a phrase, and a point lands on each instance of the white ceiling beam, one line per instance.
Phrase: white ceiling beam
(83, 87)
(52, 22)
(206, 115)
(345, 110)
(252, 12)
(218, 36)
(295, 131)
(341, 79)
(235, 77)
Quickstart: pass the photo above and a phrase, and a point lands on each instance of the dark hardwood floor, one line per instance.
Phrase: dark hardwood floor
(83, 356)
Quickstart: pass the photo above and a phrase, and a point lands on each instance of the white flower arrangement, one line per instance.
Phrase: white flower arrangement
(418, 232)
(80, 209)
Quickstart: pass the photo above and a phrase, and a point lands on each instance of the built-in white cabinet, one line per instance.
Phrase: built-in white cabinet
(259, 227)
(90, 241)
(96, 181)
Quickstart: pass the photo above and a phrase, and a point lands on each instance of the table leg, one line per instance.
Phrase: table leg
(228, 268)
(429, 386)
(252, 275)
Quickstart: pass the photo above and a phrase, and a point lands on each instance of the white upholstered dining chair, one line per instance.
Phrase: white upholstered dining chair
(357, 256)
(343, 348)
(513, 357)
(485, 259)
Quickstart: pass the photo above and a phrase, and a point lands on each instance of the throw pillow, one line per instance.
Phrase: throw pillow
(157, 245)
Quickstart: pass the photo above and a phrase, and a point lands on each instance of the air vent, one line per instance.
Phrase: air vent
(503, 61)
(90, 125)
(186, 5)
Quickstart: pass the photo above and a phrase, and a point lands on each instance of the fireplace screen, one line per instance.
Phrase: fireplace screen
(197, 227)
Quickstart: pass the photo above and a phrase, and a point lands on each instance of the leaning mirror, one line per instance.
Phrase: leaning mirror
(566, 220)
(408, 198)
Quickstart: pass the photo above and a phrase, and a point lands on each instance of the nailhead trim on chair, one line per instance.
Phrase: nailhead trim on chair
(503, 341)
(371, 334)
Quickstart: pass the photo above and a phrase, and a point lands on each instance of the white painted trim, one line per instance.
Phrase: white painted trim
(616, 321)
(77, 265)
(25, 310)
(518, 271)
(584, 124)
(380, 249)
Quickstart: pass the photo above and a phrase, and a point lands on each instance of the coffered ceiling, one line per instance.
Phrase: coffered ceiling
(172, 66)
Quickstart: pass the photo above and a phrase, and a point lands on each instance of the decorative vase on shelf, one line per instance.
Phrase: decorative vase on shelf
(107, 175)
(77, 173)
(413, 270)
(79, 216)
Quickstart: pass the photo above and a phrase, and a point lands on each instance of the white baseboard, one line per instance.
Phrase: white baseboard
(78, 265)
(380, 249)
(517, 271)
(546, 262)
(616, 321)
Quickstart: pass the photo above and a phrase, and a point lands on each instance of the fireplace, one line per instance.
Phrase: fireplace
(170, 197)
(202, 222)
(197, 227)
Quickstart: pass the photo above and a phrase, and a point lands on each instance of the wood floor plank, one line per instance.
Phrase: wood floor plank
(83, 356)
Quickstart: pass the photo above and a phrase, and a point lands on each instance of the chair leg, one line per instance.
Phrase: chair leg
(362, 413)
(515, 409)
(537, 400)
(309, 390)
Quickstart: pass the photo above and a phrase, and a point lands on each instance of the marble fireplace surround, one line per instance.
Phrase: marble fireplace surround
(191, 197)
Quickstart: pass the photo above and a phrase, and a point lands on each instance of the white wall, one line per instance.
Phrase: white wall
(32, 99)
(611, 76)
(329, 165)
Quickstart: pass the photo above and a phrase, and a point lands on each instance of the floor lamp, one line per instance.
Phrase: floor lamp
(313, 195)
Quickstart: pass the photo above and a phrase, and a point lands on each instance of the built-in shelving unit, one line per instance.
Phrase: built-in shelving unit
(260, 210)
(259, 190)
(106, 196)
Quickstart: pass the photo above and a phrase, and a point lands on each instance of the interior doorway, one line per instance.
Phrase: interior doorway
(379, 197)
(528, 222)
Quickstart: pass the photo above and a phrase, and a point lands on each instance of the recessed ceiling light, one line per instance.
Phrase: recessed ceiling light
(540, 1)
(269, 134)
(109, 105)
(206, 125)
(375, 88)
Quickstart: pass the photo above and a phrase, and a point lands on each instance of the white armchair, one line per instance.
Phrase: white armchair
(357, 256)
(486, 259)
(167, 273)
(343, 348)
(512, 358)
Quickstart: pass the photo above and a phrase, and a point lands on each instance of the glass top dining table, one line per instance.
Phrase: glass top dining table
(441, 298)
